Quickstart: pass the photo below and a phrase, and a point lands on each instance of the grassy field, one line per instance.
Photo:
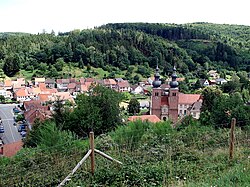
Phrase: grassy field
(152, 155)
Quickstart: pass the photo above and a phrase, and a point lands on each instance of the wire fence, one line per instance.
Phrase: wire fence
(136, 147)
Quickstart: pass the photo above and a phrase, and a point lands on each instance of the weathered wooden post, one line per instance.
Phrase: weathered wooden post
(92, 148)
(232, 138)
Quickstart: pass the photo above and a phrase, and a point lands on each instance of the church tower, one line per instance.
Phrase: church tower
(156, 95)
(173, 98)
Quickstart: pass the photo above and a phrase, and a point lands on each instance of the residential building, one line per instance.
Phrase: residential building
(221, 81)
(39, 80)
(123, 86)
(50, 83)
(62, 84)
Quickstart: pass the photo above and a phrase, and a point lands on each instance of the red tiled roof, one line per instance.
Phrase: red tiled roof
(40, 113)
(44, 97)
(11, 149)
(7, 83)
(31, 104)
(89, 80)
(72, 85)
(188, 98)
(123, 84)
(150, 118)
(42, 86)
(21, 92)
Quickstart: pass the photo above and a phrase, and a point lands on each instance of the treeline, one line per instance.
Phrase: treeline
(105, 48)
(218, 45)
(191, 47)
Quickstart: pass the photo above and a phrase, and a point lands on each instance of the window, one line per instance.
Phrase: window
(156, 94)
(185, 112)
(164, 118)
(174, 94)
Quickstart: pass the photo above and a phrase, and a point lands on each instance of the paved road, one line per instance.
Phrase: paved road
(11, 134)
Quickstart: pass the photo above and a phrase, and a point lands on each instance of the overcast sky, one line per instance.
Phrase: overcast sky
(34, 16)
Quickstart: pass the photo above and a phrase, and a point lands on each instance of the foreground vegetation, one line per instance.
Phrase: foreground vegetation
(152, 155)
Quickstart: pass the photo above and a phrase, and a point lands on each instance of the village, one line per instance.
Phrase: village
(34, 99)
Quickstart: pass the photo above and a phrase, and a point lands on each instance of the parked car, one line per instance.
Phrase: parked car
(16, 110)
(1, 129)
(21, 128)
(23, 134)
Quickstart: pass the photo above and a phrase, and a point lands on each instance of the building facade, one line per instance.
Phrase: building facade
(169, 103)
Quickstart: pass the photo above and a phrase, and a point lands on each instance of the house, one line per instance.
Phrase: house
(186, 103)
(32, 104)
(44, 97)
(39, 80)
(195, 109)
(150, 118)
(8, 85)
(123, 86)
(62, 84)
(63, 96)
(144, 104)
(110, 83)
(136, 89)
(169, 103)
(221, 81)
(21, 95)
(50, 83)
(204, 82)
(40, 113)
(71, 88)
(18, 84)
(6, 94)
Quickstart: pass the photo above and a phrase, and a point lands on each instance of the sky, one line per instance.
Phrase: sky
(36, 16)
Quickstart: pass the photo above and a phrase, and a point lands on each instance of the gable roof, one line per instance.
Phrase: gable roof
(43, 97)
(123, 84)
(7, 83)
(188, 98)
(31, 104)
(61, 96)
(11, 149)
(150, 118)
(21, 92)
(71, 85)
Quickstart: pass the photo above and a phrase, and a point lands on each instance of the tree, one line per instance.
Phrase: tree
(2, 99)
(98, 110)
(11, 65)
(133, 106)
(209, 94)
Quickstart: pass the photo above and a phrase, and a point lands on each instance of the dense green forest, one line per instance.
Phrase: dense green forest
(120, 48)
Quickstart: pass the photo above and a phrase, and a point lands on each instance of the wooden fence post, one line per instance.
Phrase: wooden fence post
(232, 138)
(92, 156)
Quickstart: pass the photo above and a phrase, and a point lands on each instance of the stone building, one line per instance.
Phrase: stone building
(169, 103)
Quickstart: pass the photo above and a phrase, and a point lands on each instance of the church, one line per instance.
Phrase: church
(169, 103)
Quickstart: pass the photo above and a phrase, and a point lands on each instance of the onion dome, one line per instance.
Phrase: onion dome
(157, 82)
(174, 83)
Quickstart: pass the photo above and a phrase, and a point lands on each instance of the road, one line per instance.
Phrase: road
(11, 134)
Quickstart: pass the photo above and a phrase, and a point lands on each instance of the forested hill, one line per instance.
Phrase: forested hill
(127, 48)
